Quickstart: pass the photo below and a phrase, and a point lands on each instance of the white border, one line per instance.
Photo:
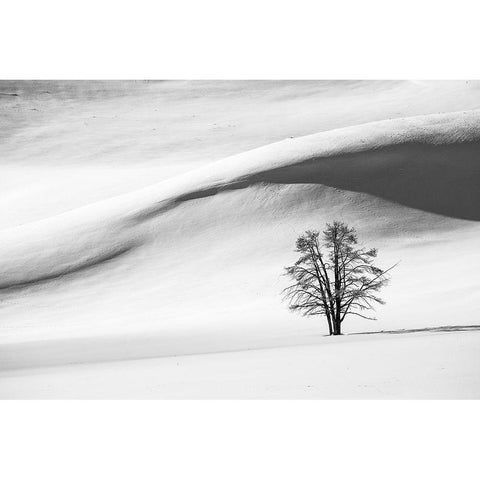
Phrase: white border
(239, 440)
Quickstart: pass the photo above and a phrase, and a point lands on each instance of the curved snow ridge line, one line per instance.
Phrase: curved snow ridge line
(427, 162)
(447, 129)
(401, 160)
(88, 262)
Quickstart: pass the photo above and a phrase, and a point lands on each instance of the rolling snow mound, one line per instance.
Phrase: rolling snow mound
(428, 163)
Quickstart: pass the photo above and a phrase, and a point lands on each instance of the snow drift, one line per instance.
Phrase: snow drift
(429, 163)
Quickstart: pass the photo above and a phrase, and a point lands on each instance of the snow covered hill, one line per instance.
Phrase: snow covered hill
(126, 240)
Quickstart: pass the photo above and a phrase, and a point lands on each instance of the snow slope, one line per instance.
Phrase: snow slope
(108, 252)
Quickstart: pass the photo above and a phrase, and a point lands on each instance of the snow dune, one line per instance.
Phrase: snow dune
(190, 262)
(429, 163)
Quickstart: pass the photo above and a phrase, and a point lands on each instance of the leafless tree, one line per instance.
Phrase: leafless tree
(333, 277)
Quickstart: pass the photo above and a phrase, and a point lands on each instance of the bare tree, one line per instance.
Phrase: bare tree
(335, 282)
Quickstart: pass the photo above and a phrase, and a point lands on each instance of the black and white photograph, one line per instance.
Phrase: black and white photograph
(239, 240)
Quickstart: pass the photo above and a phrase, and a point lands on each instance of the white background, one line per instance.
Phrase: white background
(239, 440)
(246, 39)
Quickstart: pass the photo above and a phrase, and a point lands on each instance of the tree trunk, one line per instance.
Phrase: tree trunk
(337, 328)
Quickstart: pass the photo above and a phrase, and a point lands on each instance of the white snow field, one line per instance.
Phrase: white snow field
(144, 227)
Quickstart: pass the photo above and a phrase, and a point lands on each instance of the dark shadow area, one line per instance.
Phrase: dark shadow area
(210, 191)
(442, 179)
(88, 265)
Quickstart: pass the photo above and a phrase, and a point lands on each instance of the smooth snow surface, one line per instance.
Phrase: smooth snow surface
(420, 365)
(153, 219)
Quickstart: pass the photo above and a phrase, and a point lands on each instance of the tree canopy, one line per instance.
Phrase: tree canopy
(333, 277)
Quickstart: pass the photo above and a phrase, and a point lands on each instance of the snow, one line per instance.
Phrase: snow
(420, 365)
(153, 220)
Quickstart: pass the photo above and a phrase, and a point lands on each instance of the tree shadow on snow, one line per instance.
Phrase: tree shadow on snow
(448, 328)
